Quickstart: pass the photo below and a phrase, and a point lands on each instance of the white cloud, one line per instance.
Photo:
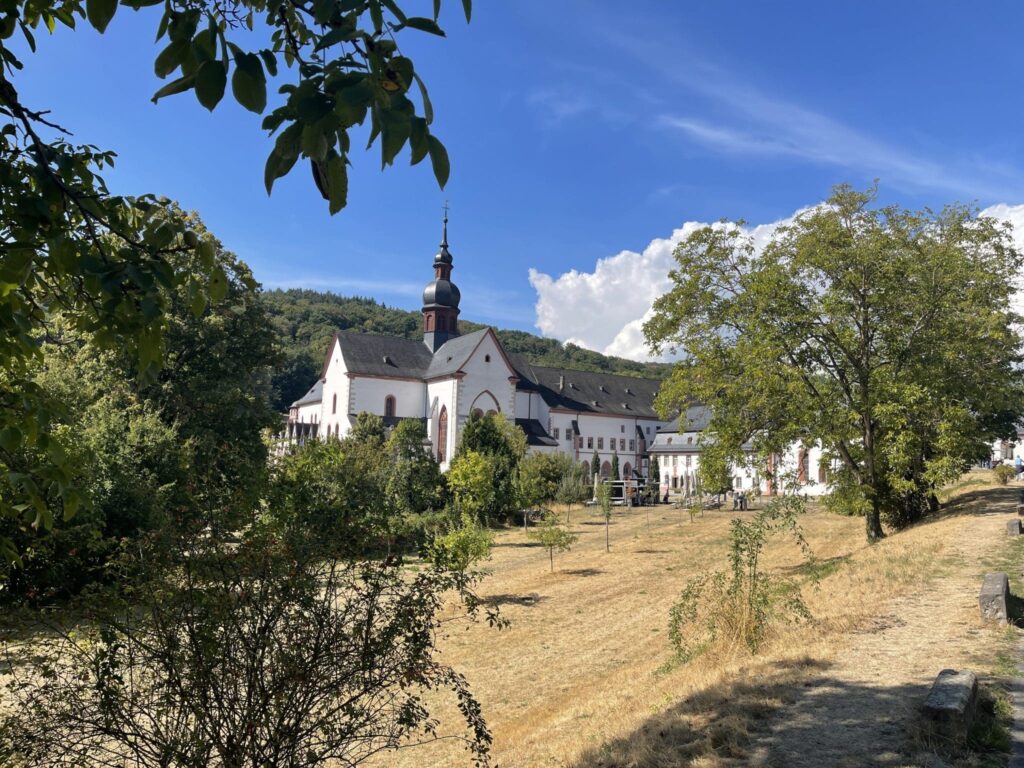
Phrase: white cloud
(605, 309)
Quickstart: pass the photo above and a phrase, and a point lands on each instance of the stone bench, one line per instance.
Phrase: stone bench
(1013, 527)
(994, 599)
(949, 709)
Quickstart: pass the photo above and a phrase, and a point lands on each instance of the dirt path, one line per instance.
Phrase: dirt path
(856, 711)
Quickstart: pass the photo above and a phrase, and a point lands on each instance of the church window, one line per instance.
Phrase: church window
(590, 442)
(622, 427)
(627, 470)
(389, 406)
(632, 445)
(556, 433)
(492, 413)
(430, 322)
(487, 358)
(477, 413)
(606, 469)
(823, 471)
(334, 404)
(442, 434)
(600, 443)
(689, 440)
(622, 443)
(803, 465)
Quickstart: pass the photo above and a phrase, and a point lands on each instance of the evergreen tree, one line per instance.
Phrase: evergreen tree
(595, 465)
(615, 466)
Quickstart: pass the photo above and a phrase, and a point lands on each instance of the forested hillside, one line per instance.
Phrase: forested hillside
(305, 320)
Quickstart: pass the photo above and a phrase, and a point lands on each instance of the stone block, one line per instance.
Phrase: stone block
(1020, 509)
(949, 709)
(994, 599)
(1013, 527)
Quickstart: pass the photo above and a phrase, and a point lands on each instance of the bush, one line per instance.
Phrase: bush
(1003, 473)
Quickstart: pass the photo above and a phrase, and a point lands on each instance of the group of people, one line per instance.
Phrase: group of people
(739, 500)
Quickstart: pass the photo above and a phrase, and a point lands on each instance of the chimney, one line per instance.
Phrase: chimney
(561, 383)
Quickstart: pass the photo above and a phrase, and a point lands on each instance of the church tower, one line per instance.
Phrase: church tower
(441, 299)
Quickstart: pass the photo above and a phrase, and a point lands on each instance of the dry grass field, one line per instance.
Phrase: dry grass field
(579, 679)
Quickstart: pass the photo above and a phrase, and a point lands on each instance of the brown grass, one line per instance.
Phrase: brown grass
(579, 678)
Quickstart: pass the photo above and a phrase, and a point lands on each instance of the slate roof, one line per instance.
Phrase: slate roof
(535, 433)
(315, 395)
(592, 392)
(374, 355)
(453, 354)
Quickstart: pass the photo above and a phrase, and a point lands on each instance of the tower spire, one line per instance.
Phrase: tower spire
(441, 297)
(444, 236)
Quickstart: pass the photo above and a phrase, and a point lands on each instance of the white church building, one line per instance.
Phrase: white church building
(445, 377)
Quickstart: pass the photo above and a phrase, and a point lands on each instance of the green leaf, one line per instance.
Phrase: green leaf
(428, 108)
(424, 25)
(467, 8)
(210, 81)
(394, 131)
(171, 57)
(337, 183)
(198, 305)
(10, 439)
(314, 143)
(218, 284)
(439, 160)
(277, 166)
(180, 85)
(249, 83)
(100, 12)
(418, 139)
(269, 61)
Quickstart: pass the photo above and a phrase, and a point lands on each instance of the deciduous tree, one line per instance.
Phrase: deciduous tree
(887, 335)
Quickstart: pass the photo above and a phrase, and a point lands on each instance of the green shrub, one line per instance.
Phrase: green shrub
(1003, 473)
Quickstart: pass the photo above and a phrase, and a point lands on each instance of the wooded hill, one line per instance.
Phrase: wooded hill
(305, 320)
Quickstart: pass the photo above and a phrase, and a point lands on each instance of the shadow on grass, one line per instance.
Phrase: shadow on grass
(518, 544)
(797, 715)
(584, 572)
(653, 551)
(509, 599)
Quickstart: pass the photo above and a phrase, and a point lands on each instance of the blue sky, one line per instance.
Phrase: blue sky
(580, 134)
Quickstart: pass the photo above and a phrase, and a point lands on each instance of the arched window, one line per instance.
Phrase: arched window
(803, 462)
(442, 433)
(429, 322)
(389, 406)
(606, 469)
(627, 471)
(334, 404)
(442, 323)
(823, 471)
(477, 413)
(487, 358)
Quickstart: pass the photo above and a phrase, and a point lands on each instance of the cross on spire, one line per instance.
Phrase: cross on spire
(444, 239)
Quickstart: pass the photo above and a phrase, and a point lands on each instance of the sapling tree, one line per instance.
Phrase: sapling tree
(603, 494)
(553, 536)
(595, 465)
(738, 605)
(573, 488)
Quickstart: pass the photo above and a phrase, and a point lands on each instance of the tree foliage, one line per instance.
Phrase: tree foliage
(106, 263)
(887, 335)
(553, 536)
(503, 445)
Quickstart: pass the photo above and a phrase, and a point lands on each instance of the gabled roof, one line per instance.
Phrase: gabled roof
(453, 354)
(315, 395)
(592, 392)
(374, 355)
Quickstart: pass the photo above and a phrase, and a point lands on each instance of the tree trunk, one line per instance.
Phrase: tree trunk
(874, 523)
(551, 555)
(607, 523)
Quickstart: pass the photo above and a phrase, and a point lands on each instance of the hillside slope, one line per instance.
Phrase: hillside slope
(305, 321)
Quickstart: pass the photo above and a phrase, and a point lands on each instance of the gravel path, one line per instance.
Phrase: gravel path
(857, 711)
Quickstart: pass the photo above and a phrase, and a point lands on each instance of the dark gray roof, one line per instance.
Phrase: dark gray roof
(384, 355)
(315, 395)
(592, 392)
(535, 433)
(697, 418)
(441, 293)
(453, 354)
